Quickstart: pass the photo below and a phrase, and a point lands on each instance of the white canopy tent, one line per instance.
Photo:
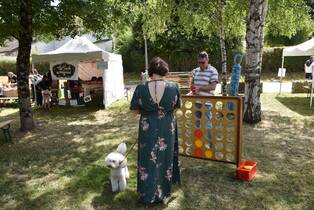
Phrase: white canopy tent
(80, 58)
(303, 49)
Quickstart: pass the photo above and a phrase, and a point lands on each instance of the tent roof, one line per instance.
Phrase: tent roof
(9, 46)
(79, 48)
(303, 49)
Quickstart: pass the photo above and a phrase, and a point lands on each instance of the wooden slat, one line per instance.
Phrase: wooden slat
(182, 78)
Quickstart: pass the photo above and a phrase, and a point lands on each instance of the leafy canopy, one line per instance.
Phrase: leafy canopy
(288, 17)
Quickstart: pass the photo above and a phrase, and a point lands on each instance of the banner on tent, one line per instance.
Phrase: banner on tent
(64, 70)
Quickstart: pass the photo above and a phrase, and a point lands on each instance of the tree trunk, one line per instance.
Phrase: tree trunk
(254, 50)
(223, 49)
(23, 65)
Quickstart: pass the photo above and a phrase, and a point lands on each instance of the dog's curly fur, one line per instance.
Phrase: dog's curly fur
(117, 163)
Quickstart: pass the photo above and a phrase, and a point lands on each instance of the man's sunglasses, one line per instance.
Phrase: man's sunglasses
(201, 62)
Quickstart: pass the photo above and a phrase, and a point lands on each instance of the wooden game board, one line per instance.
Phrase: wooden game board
(210, 127)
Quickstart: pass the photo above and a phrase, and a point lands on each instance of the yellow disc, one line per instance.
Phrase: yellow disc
(198, 143)
(208, 153)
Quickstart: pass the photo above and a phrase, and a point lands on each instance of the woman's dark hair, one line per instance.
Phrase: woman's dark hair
(158, 66)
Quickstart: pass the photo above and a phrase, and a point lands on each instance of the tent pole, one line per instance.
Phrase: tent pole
(311, 96)
(35, 94)
(146, 57)
(104, 79)
(311, 100)
(282, 62)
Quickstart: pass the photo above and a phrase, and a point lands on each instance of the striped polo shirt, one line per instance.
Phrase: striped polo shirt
(204, 78)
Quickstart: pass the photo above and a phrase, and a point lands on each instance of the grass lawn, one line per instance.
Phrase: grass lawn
(59, 165)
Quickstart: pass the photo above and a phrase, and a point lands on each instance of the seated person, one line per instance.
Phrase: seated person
(12, 79)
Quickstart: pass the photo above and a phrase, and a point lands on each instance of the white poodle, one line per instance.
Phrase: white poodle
(117, 162)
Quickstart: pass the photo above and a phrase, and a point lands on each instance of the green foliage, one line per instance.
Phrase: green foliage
(280, 40)
(235, 18)
(205, 17)
(9, 19)
(178, 50)
(176, 45)
(106, 17)
(67, 18)
(185, 59)
(42, 68)
(152, 9)
(132, 51)
(272, 61)
(6, 66)
(124, 41)
(44, 17)
(288, 22)
(182, 29)
(310, 5)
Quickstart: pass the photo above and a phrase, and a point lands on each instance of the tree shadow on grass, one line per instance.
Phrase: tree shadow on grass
(300, 105)
(42, 116)
(282, 147)
(117, 200)
(59, 165)
(213, 187)
(122, 200)
(66, 150)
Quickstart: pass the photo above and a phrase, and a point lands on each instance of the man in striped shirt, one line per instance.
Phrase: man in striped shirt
(204, 78)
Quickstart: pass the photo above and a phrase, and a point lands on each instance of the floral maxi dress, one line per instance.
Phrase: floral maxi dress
(157, 142)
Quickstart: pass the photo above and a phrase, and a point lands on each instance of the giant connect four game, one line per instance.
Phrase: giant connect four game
(210, 127)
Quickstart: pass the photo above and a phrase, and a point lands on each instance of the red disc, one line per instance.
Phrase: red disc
(198, 152)
(198, 133)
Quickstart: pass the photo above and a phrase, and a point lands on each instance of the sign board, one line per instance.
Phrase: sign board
(62, 102)
(64, 70)
(73, 102)
(281, 72)
(102, 65)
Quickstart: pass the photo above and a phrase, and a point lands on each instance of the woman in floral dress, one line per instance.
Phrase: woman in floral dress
(156, 101)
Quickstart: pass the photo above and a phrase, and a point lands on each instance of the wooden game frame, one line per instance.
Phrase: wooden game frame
(220, 126)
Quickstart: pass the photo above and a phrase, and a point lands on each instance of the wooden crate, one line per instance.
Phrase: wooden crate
(10, 93)
(182, 78)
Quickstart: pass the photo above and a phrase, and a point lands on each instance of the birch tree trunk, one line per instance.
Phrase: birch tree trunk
(254, 50)
(223, 48)
(23, 65)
